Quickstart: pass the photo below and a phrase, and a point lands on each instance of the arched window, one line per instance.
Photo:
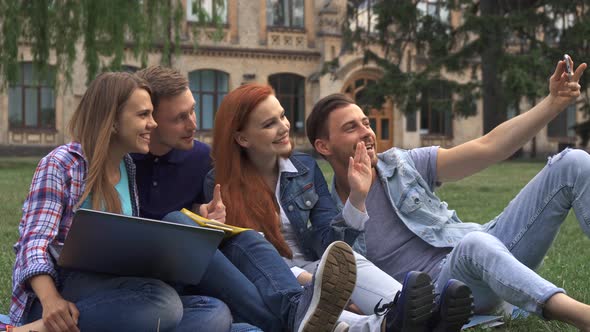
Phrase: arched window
(290, 91)
(357, 91)
(208, 88)
(371, 103)
(31, 100)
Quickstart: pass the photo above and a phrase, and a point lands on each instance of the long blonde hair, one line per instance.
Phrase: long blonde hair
(92, 126)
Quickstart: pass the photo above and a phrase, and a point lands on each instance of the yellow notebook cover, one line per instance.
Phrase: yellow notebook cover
(204, 222)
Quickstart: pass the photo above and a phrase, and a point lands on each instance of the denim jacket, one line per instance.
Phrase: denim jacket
(416, 205)
(305, 198)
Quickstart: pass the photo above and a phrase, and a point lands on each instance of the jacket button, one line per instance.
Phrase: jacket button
(307, 203)
(290, 208)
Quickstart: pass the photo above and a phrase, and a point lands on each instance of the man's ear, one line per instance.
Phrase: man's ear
(322, 147)
(241, 139)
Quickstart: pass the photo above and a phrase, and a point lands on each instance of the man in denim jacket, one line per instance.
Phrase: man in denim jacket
(411, 229)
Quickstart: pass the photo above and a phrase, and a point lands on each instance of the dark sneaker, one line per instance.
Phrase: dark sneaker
(454, 308)
(412, 307)
(324, 299)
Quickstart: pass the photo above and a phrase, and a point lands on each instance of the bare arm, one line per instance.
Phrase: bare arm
(473, 156)
(58, 314)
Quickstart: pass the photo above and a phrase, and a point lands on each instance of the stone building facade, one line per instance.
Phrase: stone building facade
(289, 44)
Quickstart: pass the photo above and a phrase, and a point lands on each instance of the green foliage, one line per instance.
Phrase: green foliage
(515, 45)
(105, 29)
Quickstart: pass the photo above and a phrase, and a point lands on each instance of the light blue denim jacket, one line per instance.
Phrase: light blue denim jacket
(416, 205)
(305, 198)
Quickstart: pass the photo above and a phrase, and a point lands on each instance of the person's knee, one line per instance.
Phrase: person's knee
(477, 241)
(574, 160)
(248, 238)
(163, 302)
(179, 218)
(210, 313)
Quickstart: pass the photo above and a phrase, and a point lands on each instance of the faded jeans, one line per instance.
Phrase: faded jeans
(499, 264)
(108, 303)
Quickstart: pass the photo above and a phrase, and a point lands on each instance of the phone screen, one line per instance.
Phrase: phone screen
(568, 66)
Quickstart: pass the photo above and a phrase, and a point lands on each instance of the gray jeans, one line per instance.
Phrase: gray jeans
(499, 264)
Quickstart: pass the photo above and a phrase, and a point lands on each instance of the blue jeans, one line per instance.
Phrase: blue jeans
(135, 304)
(498, 264)
(249, 275)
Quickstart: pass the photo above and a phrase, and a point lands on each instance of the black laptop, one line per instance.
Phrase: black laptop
(130, 246)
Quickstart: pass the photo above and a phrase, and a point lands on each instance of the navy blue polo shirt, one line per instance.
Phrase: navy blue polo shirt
(173, 181)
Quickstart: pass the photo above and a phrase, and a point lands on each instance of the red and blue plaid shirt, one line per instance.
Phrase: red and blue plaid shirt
(56, 188)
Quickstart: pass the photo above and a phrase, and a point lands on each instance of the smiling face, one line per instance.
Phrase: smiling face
(347, 126)
(176, 124)
(266, 133)
(134, 124)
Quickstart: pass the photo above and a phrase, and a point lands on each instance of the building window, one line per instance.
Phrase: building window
(31, 101)
(285, 13)
(562, 125)
(359, 92)
(206, 11)
(290, 91)
(434, 8)
(561, 22)
(208, 88)
(436, 111)
(364, 18)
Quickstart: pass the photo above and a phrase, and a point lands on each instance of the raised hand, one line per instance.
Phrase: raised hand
(561, 88)
(360, 176)
(215, 209)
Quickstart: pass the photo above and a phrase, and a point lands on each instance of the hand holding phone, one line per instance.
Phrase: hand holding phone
(568, 66)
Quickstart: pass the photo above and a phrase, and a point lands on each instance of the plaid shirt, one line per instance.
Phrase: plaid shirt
(58, 184)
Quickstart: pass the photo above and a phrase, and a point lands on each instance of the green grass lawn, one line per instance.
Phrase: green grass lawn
(478, 199)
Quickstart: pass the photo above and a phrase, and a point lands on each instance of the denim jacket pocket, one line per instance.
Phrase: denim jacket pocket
(307, 200)
(412, 200)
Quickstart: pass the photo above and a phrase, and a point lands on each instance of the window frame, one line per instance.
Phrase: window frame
(290, 6)
(211, 11)
(290, 111)
(217, 95)
(38, 86)
(443, 129)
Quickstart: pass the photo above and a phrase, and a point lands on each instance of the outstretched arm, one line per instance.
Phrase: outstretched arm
(473, 156)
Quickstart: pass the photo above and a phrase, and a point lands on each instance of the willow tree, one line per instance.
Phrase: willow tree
(104, 29)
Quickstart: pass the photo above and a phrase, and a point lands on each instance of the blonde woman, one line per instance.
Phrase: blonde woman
(114, 118)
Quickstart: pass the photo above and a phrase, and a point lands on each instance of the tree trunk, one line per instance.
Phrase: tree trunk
(494, 105)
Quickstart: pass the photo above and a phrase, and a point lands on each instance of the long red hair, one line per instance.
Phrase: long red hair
(249, 201)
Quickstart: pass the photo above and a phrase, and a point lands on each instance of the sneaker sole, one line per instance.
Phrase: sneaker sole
(335, 279)
(419, 302)
(456, 308)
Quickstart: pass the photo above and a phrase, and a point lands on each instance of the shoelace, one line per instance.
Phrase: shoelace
(386, 307)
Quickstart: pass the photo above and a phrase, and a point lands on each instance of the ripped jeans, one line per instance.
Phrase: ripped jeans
(498, 263)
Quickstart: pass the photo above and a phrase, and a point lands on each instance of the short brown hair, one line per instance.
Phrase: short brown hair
(164, 81)
(317, 122)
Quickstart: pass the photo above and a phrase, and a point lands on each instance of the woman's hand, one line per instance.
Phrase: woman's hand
(360, 176)
(59, 315)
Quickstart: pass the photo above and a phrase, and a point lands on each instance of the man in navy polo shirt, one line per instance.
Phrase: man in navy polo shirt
(170, 177)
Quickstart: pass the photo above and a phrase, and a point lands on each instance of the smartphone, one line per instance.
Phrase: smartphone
(568, 66)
